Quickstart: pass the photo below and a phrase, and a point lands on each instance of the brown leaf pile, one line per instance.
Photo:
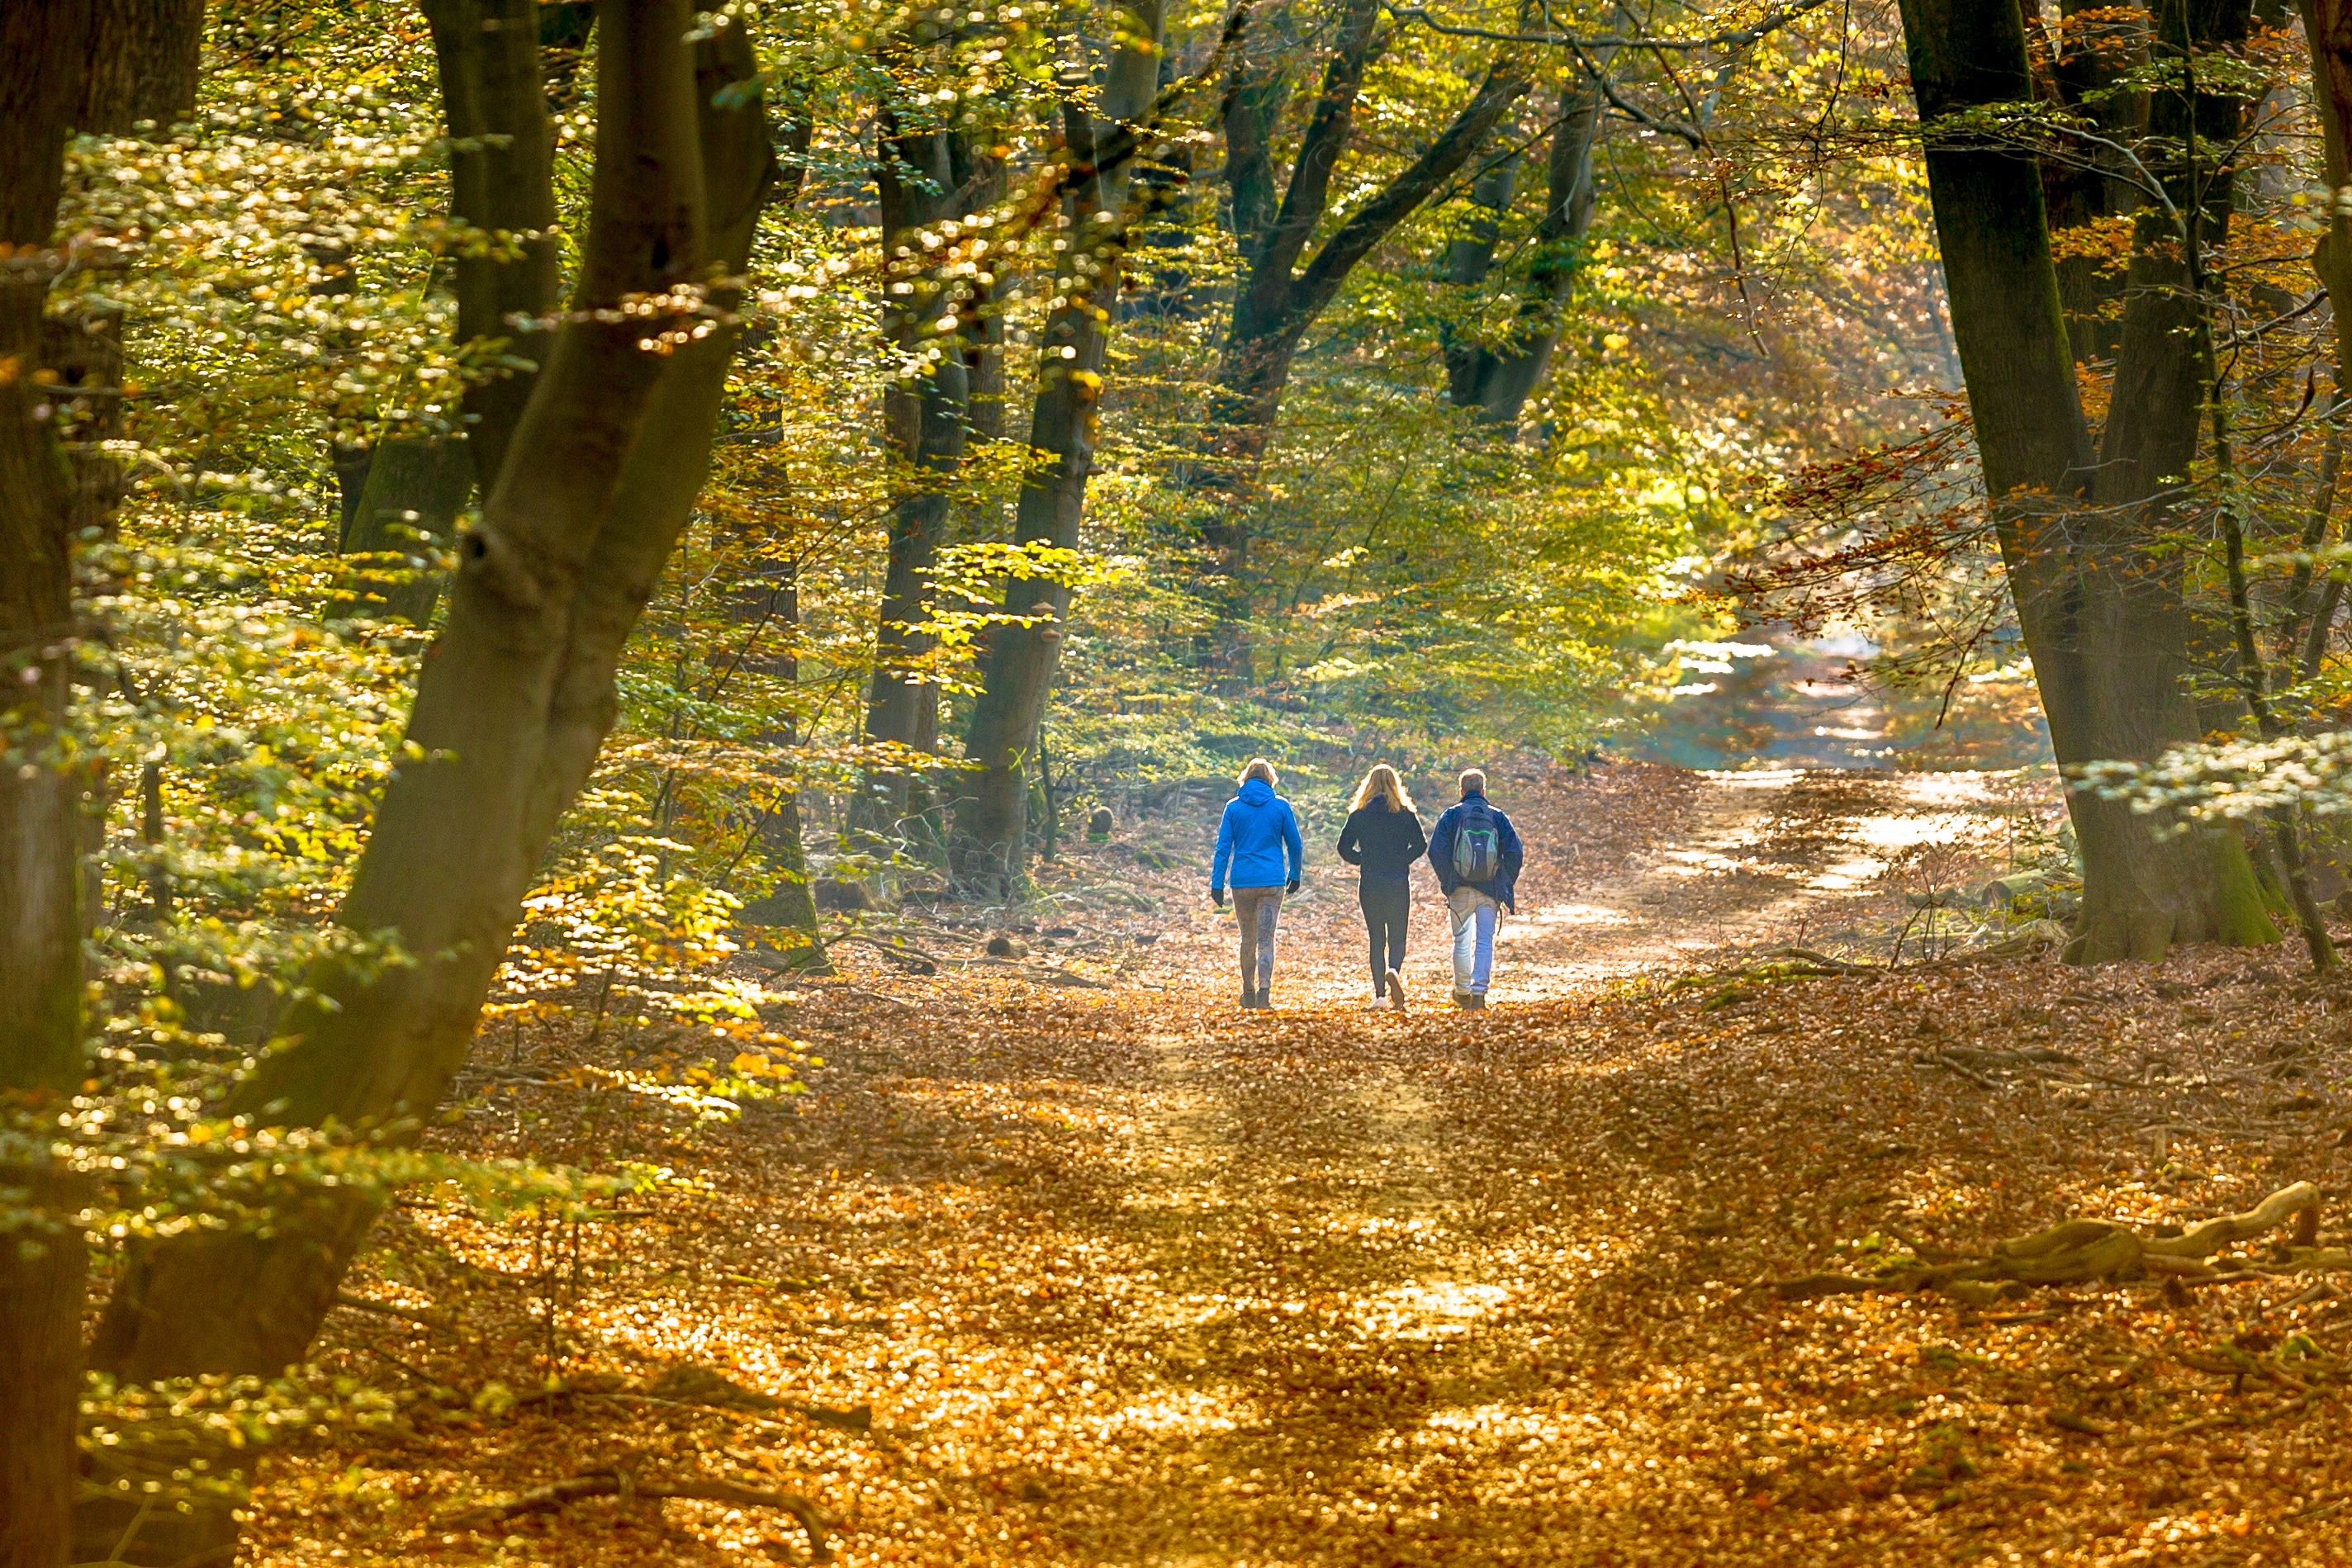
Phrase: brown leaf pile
(1128, 1276)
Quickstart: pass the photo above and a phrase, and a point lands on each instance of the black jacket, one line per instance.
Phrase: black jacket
(1383, 843)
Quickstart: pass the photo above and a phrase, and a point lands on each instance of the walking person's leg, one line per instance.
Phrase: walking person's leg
(1398, 911)
(1245, 916)
(1268, 910)
(1461, 907)
(1369, 896)
(1486, 917)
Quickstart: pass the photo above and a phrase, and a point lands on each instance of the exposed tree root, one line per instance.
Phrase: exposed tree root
(620, 1483)
(2080, 1251)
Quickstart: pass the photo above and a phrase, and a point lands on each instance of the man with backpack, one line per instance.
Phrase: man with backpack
(1476, 854)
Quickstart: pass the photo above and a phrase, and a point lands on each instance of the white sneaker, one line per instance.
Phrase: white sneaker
(1396, 990)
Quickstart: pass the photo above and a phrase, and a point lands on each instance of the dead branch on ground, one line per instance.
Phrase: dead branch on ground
(2081, 1250)
(621, 1483)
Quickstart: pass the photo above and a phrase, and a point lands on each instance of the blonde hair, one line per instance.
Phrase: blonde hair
(1474, 782)
(1259, 768)
(1382, 784)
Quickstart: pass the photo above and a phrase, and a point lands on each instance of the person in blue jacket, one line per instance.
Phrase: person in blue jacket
(1476, 854)
(1257, 843)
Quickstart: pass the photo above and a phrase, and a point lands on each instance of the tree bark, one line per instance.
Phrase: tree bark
(2107, 633)
(42, 1259)
(416, 489)
(494, 97)
(992, 828)
(1498, 382)
(928, 422)
(790, 901)
(1278, 300)
(515, 697)
(2095, 47)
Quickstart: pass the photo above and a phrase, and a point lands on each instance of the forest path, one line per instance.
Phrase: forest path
(1637, 867)
(1132, 1277)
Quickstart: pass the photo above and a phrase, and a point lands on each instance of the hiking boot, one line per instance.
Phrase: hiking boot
(1396, 990)
(1475, 1001)
(1463, 999)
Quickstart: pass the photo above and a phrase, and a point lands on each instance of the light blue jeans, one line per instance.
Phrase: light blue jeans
(1475, 915)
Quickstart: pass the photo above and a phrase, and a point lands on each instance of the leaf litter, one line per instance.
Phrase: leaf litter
(1036, 1273)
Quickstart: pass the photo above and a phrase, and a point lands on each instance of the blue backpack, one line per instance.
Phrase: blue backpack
(1477, 845)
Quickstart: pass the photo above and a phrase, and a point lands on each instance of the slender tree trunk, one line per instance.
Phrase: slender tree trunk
(1278, 300)
(992, 817)
(494, 99)
(512, 705)
(928, 422)
(1498, 382)
(416, 489)
(790, 901)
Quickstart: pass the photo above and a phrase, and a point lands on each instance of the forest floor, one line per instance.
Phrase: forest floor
(1069, 1260)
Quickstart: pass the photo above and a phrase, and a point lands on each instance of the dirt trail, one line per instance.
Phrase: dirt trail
(1695, 865)
(1133, 1278)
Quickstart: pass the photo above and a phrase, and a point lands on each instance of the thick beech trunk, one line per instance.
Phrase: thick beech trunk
(42, 1263)
(1498, 380)
(1278, 300)
(992, 826)
(514, 701)
(2107, 627)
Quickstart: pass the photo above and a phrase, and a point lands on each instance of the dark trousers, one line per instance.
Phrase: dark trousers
(1387, 906)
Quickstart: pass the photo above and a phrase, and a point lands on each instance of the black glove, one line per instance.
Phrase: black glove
(1291, 887)
(1217, 896)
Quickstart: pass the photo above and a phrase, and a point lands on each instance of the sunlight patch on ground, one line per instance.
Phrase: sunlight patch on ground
(1174, 1413)
(1847, 875)
(1441, 1309)
(1933, 828)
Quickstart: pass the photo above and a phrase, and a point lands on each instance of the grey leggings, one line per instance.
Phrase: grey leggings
(1257, 907)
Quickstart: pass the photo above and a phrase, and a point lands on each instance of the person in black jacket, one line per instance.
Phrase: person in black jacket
(1382, 838)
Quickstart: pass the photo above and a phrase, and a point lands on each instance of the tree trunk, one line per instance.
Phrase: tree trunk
(42, 1258)
(1499, 381)
(1278, 300)
(494, 97)
(790, 901)
(64, 64)
(992, 818)
(407, 511)
(2095, 50)
(2107, 634)
(928, 421)
(512, 705)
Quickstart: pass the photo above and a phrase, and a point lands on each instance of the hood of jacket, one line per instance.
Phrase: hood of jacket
(1256, 791)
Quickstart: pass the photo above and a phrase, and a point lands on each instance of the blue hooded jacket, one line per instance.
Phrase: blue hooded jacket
(1258, 833)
